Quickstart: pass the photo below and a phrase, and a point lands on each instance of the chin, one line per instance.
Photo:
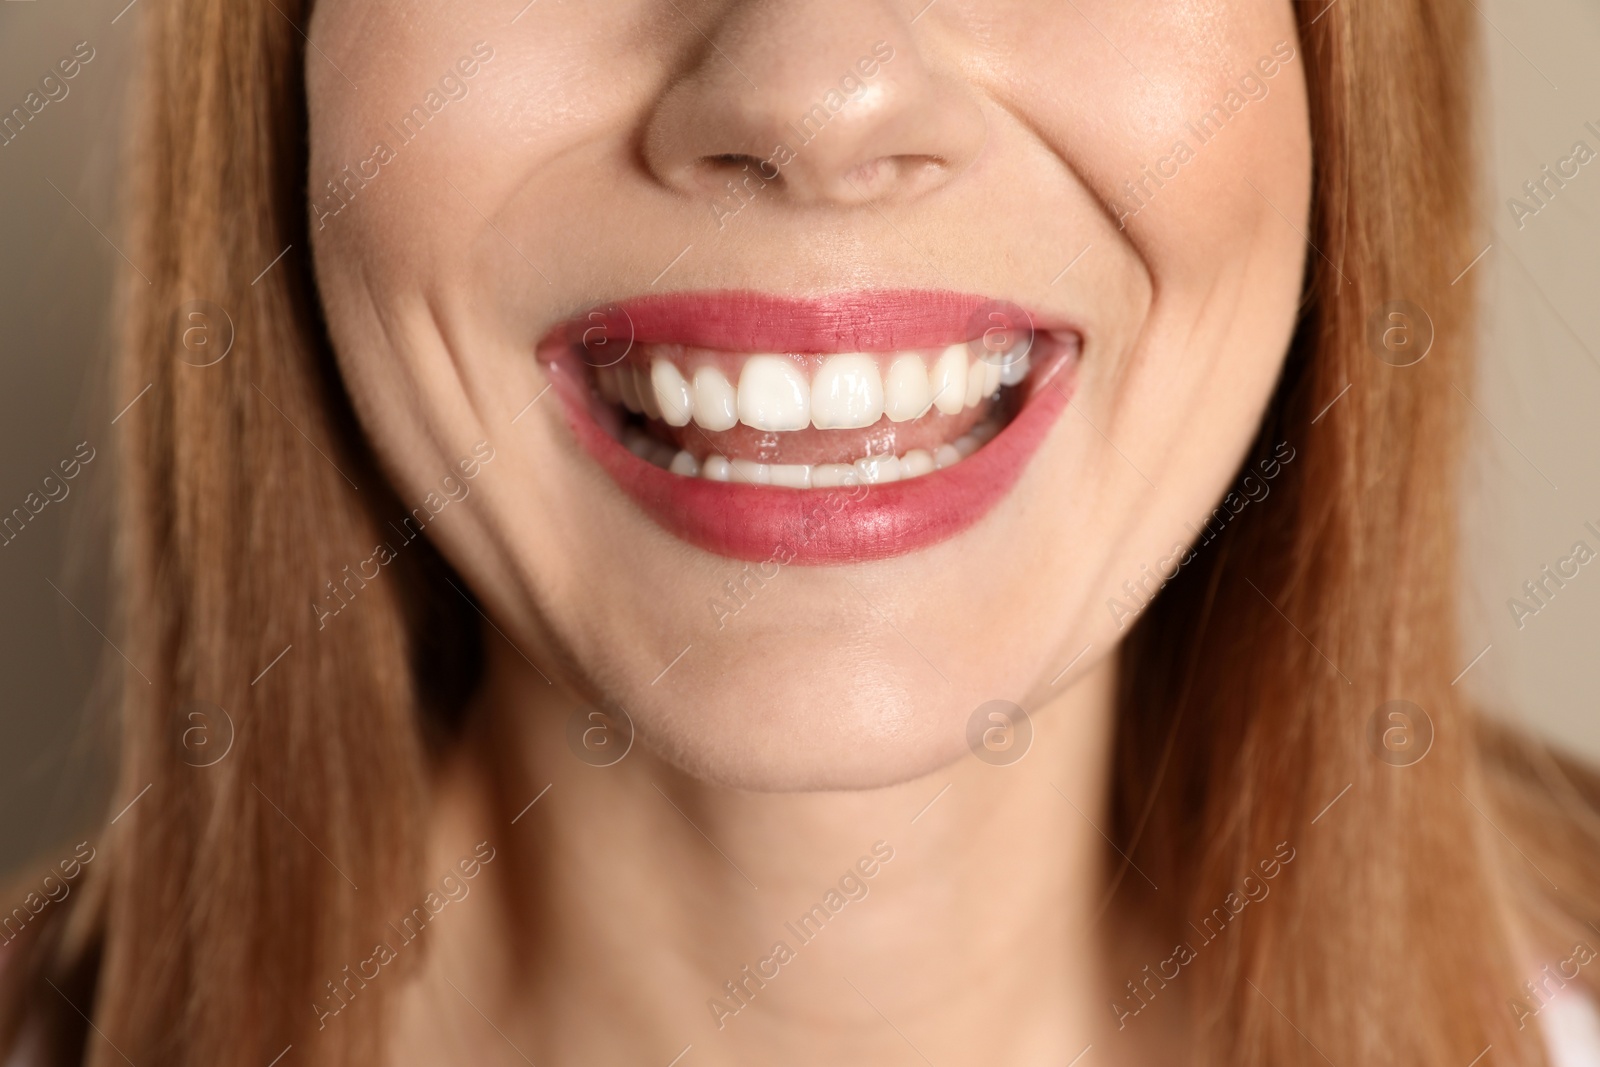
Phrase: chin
(831, 719)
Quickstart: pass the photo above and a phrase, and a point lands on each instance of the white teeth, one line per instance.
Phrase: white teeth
(868, 470)
(646, 392)
(877, 470)
(915, 463)
(991, 377)
(847, 393)
(792, 475)
(906, 394)
(948, 381)
(751, 473)
(1015, 370)
(974, 383)
(715, 403)
(774, 394)
(671, 392)
(832, 475)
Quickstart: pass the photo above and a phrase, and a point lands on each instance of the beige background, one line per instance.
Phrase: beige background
(1534, 473)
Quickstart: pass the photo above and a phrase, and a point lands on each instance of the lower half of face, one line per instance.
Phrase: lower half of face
(842, 368)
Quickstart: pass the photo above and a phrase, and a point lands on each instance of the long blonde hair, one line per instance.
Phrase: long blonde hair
(1396, 934)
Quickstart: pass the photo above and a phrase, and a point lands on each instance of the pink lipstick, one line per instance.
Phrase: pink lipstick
(837, 429)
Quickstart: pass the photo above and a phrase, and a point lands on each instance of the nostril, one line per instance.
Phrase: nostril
(735, 164)
(907, 175)
(731, 160)
(737, 173)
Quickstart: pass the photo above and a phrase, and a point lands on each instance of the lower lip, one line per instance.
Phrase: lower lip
(850, 524)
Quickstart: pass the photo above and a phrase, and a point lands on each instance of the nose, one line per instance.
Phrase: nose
(814, 102)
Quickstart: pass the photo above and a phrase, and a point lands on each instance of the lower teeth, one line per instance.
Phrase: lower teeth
(868, 470)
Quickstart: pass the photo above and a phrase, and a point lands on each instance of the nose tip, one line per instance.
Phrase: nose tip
(813, 103)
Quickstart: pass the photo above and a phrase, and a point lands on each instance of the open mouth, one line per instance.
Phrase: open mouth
(851, 428)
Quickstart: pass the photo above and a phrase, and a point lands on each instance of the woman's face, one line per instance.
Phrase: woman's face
(838, 361)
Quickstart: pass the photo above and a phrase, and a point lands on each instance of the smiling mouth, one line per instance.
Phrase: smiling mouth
(724, 413)
(815, 421)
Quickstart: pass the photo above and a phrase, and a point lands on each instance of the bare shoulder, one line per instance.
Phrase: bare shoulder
(1571, 1027)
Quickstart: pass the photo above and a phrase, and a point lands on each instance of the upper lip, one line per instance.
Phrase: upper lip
(745, 321)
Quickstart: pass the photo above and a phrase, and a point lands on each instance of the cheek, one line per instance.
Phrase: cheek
(1210, 191)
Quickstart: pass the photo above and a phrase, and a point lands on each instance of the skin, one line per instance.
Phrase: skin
(828, 712)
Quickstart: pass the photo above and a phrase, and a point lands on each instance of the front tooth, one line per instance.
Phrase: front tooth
(671, 391)
(917, 462)
(949, 380)
(751, 473)
(717, 469)
(685, 464)
(847, 393)
(975, 377)
(907, 393)
(946, 456)
(715, 403)
(1016, 370)
(792, 475)
(774, 394)
(832, 475)
(875, 470)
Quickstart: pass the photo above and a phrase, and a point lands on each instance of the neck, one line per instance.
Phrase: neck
(896, 925)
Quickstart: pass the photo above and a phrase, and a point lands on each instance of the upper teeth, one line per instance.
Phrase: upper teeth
(848, 391)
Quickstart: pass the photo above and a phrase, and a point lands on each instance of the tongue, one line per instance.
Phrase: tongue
(814, 446)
